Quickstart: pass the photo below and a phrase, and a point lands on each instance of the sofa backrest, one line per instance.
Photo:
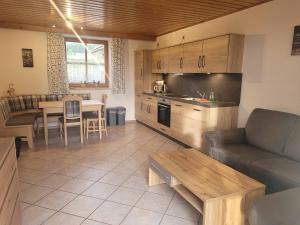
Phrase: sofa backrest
(269, 130)
(29, 102)
(4, 111)
(292, 147)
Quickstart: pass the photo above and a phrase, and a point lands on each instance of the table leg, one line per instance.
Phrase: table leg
(45, 125)
(99, 122)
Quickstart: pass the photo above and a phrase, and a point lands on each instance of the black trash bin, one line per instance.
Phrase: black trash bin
(111, 114)
(121, 113)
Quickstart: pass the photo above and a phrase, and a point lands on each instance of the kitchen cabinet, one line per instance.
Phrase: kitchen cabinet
(192, 56)
(144, 79)
(215, 54)
(222, 54)
(146, 110)
(188, 121)
(143, 75)
(175, 59)
(160, 60)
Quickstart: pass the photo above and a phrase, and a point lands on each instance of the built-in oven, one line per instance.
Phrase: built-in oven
(164, 112)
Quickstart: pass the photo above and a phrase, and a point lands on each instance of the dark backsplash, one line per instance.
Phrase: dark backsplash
(226, 87)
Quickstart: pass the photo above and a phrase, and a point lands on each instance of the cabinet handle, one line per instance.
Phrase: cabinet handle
(200, 61)
(157, 65)
(178, 105)
(198, 110)
(141, 107)
(141, 72)
(149, 98)
(149, 109)
(162, 129)
(181, 62)
(203, 61)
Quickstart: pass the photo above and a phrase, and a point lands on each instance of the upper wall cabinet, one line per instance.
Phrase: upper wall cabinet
(175, 59)
(192, 54)
(160, 61)
(223, 54)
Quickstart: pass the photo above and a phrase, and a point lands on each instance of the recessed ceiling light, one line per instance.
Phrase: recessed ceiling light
(53, 26)
(81, 28)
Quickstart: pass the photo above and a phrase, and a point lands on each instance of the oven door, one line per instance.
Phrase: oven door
(163, 114)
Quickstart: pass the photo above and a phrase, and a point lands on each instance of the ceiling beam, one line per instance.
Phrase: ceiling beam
(94, 33)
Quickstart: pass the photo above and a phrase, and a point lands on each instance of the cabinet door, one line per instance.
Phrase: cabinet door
(138, 108)
(175, 59)
(155, 61)
(138, 72)
(192, 56)
(215, 54)
(163, 60)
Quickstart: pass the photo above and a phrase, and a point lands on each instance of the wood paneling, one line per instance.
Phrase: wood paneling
(133, 19)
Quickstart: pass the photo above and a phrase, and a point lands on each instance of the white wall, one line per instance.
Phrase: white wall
(26, 80)
(34, 80)
(271, 76)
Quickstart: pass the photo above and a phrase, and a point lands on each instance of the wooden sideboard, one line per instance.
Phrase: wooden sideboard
(222, 54)
(10, 213)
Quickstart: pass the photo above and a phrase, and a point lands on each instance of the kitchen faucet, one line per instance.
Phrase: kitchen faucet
(202, 94)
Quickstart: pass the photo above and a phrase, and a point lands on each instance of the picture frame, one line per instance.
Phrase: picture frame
(296, 41)
(27, 56)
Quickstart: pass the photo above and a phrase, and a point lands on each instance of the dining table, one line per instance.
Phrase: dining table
(50, 107)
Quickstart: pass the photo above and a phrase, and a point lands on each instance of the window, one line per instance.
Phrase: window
(87, 68)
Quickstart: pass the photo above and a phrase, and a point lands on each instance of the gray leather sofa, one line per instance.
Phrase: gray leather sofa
(281, 208)
(267, 149)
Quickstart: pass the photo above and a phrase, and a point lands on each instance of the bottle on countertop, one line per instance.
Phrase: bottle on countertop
(212, 97)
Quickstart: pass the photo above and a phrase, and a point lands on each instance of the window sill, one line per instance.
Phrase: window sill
(88, 86)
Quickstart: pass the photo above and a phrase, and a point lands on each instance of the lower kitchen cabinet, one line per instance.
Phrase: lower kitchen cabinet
(188, 122)
(146, 110)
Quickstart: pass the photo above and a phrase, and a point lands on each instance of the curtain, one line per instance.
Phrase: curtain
(118, 57)
(56, 64)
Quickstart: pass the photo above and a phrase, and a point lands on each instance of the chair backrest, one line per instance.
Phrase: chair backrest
(104, 101)
(72, 107)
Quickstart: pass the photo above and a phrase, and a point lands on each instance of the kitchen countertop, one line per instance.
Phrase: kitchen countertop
(204, 104)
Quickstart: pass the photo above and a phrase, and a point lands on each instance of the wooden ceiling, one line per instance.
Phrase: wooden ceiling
(135, 19)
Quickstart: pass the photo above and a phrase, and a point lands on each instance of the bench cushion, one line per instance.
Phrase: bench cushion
(277, 173)
(239, 156)
(25, 119)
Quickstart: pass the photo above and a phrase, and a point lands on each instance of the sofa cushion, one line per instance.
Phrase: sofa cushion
(4, 109)
(25, 119)
(16, 104)
(269, 130)
(277, 173)
(239, 156)
(292, 148)
(281, 208)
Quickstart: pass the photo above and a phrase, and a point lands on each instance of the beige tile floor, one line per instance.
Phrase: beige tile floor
(99, 182)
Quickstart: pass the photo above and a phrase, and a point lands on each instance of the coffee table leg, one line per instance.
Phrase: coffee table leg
(154, 179)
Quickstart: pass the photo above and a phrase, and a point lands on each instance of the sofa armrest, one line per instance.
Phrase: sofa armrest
(281, 208)
(221, 137)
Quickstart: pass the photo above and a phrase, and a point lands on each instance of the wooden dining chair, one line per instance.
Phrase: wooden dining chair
(91, 119)
(72, 116)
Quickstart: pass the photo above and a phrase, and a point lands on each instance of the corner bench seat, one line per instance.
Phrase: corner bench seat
(19, 113)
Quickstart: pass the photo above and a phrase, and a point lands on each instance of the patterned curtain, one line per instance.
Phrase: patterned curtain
(56, 64)
(118, 54)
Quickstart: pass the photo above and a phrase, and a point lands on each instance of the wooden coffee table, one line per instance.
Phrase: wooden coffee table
(220, 193)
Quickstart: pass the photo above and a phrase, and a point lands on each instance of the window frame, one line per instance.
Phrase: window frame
(106, 66)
